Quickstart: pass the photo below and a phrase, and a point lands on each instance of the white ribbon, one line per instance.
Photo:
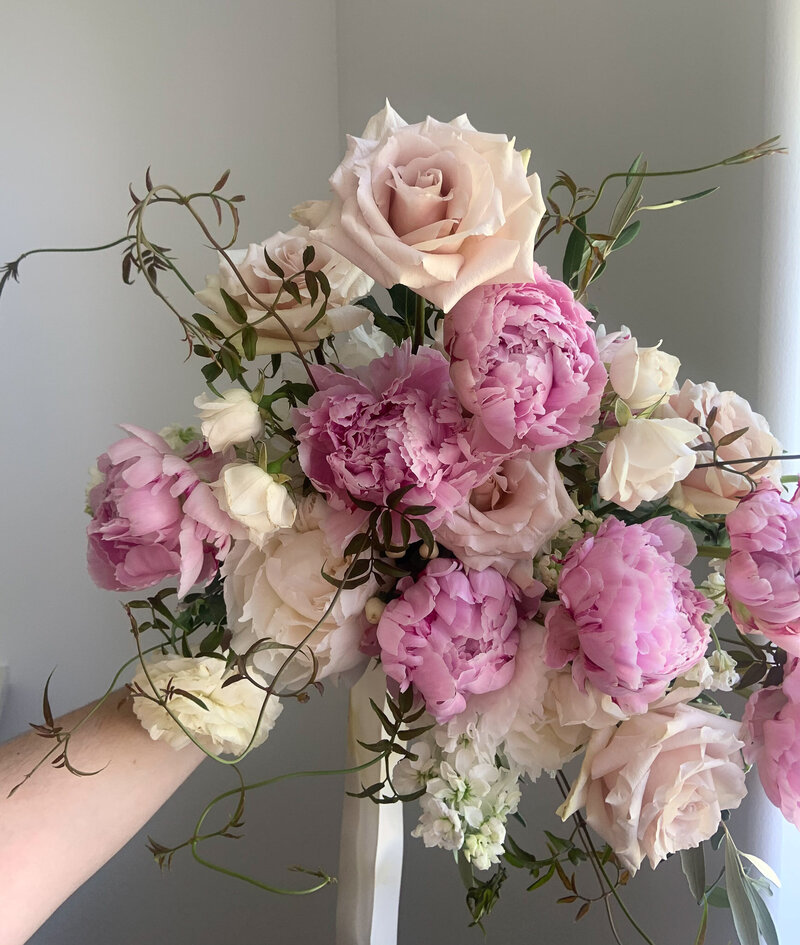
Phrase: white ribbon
(371, 848)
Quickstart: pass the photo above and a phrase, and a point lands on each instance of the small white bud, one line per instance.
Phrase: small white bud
(373, 609)
(428, 553)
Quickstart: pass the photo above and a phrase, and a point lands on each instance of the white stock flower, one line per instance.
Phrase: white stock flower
(227, 723)
(642, 376)
(177, 436)
(233, 418)
(253, 497)
(723, 668)
(468, 793)
(645, 460)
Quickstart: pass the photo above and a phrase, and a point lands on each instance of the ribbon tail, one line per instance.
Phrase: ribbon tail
(371, 848)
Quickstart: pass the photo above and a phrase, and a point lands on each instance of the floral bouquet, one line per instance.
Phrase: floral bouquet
(527, 526)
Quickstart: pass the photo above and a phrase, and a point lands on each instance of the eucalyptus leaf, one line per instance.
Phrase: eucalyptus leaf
(744, 916)
(693, 864)
(763, 918)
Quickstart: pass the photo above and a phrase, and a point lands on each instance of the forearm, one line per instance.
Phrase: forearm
(58, 829)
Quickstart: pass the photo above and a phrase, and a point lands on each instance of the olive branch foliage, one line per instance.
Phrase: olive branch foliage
(395, 542)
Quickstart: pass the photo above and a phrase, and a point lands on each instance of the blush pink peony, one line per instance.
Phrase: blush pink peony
(524, 361)
(630, 619)
(762, 575)
(450, 633)
(370, 431)
(771, 732)
(154, 518)
(508, 518)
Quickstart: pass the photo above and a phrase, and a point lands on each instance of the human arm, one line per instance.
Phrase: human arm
(59, 829)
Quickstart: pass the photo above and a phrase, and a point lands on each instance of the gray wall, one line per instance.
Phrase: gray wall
(100, 91)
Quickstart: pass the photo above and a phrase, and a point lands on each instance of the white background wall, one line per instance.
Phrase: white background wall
(94, 92)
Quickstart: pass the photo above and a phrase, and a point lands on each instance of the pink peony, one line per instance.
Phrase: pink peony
(630, 618)
(771, 732)
(508, 518)
(370, 431)
(762, 574)
(451, 633)
(153, 517)
(525, 363)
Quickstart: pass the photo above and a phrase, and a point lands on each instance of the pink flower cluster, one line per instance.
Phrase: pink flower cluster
(396, 423)
(451, 633)
(762, 574)
(525, 363)
(154, 518)
(630, 618)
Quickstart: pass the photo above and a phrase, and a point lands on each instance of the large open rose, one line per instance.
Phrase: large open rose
(659, 782)
(439, 207)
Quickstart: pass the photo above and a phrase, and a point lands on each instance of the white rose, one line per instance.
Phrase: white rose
(251, 496)
(645, 460)
(234, 418)
(659, 782)
(642, 376)
(438, 207)
(346, 282)
(227, 723)
(712, 490)
(278, 593)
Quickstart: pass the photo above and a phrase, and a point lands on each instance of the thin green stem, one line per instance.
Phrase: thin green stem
(419, 323)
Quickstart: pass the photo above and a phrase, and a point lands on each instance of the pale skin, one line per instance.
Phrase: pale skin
(59, 829)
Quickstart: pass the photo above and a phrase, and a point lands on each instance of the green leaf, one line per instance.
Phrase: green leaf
(249, 342)
(211, 371)
(679, 200)
(763, 918)
(403, 300)
(718, 898)
(191, 697)
(235, 310)
(634, 168)
(273, 266)
(629, 201)
(387, 725)
(546, 877)
(207, 325)
(628, 235)
(576, 253)
(622, 412)
(764, 868)
(308, 256)
(744, 916)
(693, 864)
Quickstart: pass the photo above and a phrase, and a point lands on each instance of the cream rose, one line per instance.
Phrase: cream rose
(230, 419)
(642, 376)
(278, 593)
(659, 782)
(253, 497)
(510, 516)
(224, 726)
(438, 207)
(711, 490)
(645, 460)
(346, 282)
